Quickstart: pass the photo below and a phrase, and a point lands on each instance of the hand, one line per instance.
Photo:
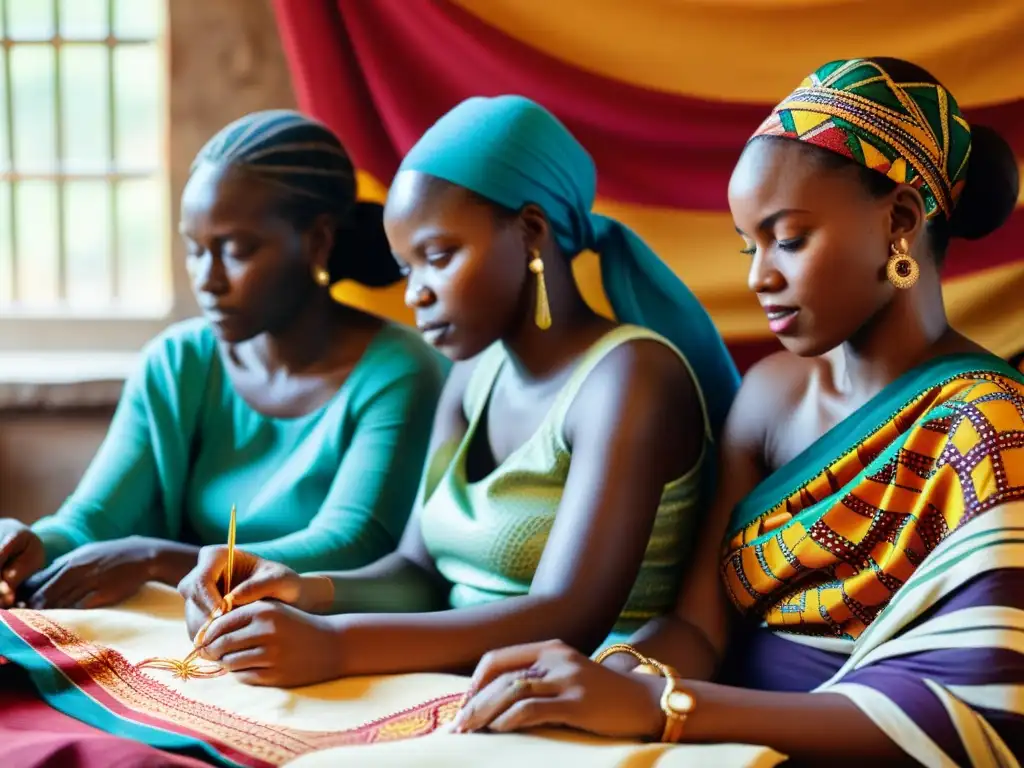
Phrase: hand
(21, 555)
(268, 643)
(254, 578)
(95, 575)
(551, 684)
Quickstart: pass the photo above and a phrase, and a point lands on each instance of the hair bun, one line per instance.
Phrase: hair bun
(991, 186)
(361, 250)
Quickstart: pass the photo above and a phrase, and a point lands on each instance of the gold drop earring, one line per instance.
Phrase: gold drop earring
(902, 270)
(542, 310)
(321, 276)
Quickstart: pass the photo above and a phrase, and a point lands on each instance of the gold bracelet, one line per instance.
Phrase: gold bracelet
(676, 704)
(675, 716)
(611, 650)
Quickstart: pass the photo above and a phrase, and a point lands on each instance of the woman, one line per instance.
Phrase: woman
(873, 473)
(312, 417)
(568, 451)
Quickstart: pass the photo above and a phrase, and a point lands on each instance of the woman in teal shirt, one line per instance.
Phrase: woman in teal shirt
(312, 417)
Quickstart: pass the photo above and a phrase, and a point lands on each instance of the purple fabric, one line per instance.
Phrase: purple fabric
(910, 694)
(764, 660)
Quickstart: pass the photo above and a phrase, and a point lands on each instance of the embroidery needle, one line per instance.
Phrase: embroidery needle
(230, 570)
(189, 668)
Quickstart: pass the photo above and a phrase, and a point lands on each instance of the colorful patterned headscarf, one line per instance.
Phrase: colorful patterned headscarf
(912, 132)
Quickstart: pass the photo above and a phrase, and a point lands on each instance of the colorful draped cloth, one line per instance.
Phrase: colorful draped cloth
(82, 665)
(897, 540)
(911, 132)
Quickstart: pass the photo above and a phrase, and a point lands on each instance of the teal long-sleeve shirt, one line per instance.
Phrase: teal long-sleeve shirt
(331, 490)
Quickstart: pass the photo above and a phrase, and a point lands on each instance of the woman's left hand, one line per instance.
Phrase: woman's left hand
(94, 575)
(551, 684)
(269, 643)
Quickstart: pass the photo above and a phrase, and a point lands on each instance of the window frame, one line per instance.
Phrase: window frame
(103, 329)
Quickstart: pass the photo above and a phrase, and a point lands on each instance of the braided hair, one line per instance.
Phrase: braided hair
(307, 163)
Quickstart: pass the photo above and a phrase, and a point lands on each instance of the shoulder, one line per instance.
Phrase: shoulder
(648, 363)
(638, 376)
(780, 377)
(182, 347)
(771, 390)
(398, 355)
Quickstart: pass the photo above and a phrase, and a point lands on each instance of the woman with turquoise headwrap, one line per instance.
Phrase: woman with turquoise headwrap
(570, 456)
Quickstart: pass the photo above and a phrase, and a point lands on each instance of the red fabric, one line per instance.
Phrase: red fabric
(380, 75)
(33, 734)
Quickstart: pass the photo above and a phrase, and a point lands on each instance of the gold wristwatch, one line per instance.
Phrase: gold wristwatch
(676, 702)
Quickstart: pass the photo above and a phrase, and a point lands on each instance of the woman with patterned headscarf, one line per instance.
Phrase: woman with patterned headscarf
(310, 416)
(859, 594)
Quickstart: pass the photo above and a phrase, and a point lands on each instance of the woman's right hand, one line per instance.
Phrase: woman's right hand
(254, 578)
(21, 555)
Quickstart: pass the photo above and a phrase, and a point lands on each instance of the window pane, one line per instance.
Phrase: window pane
(6, 264)
(138, 93)
(30, 19)
(5, 161)
(83, 19)
(142, 227)
(135, 19)
(36, 211)
(87, 228)
(84, 108)
(32, 73)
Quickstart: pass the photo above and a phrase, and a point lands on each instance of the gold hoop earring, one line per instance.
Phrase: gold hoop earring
(321, 276)
(902, 270)
(542, 310)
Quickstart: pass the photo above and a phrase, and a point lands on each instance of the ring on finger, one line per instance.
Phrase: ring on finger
(521, 686)
(524, 681)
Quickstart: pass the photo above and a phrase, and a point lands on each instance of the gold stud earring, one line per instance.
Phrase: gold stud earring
(542, 310)
(321, 276)
(902, 270)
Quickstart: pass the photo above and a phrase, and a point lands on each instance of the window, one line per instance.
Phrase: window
(84, 231)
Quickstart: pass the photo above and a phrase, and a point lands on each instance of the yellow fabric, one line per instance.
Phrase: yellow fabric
(671, 46)
(152, 624)
(756, 48)
(833, 553)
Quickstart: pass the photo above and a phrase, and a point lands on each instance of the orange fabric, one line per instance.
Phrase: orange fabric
(757, 50)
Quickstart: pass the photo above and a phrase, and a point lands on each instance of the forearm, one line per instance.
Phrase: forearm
(455, 640)
(392, 584)
(172, 561)
(811, 728)
(674, 642)
(327, 546)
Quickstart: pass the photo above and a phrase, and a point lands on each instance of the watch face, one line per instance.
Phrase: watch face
(680, 702)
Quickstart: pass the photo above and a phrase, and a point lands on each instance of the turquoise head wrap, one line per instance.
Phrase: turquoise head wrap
(512, 151)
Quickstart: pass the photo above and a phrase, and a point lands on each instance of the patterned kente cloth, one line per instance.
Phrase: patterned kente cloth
(911, 132)
(821, 547)
(889, 558)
